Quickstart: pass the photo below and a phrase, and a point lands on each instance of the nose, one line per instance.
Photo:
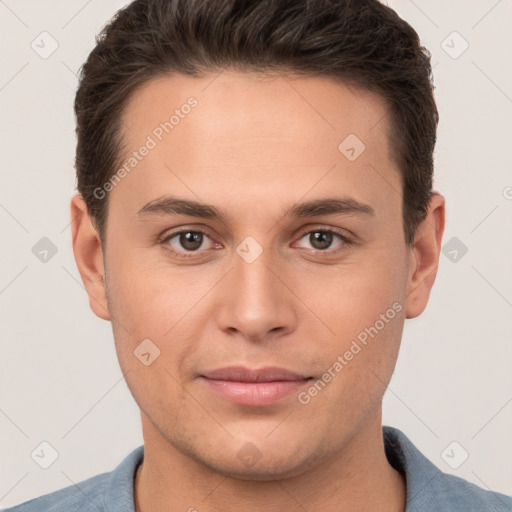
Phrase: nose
(256, 299)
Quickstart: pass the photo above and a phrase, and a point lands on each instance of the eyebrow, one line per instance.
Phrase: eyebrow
(328, 206)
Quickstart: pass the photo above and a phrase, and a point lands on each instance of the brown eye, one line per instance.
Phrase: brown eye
(190, 240)
(186, 243)
(322, 240)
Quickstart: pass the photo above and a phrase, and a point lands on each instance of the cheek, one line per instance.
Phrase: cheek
(363, 307)
(150, 300)
(359, 360)
(353, 296)
(149, 293)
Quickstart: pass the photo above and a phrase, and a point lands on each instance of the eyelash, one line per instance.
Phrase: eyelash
(190, 254)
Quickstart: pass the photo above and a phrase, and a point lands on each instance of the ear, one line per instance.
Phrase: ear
(89, 256)
(424, 256)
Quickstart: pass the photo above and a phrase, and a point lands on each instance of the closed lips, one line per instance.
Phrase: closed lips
(242, 374)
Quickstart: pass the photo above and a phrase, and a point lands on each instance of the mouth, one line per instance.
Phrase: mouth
(254, 388)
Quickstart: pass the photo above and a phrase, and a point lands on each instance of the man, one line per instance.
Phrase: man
(256, 219)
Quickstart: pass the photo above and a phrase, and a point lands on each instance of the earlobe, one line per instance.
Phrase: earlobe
(88, 256)
(424, 257)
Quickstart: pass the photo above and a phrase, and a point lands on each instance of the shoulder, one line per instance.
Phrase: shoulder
(111, 491)
(459, 494)
(84, 496)
(429, 489)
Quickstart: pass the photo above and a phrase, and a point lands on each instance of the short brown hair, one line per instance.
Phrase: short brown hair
(362, 42)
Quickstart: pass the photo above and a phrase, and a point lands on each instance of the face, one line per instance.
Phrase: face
(292, 261)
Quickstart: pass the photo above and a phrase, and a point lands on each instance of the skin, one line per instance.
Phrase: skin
(253, 147)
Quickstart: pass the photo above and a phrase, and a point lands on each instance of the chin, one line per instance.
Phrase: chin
(261, 472)
(266, 464)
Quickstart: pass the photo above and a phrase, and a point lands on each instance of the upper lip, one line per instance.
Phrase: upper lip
(242, 374)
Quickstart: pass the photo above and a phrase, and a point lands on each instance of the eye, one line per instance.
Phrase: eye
(322, 239)
(185, 241)
(191, 243)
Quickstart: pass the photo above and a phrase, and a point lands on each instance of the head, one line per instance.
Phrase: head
(255, 189)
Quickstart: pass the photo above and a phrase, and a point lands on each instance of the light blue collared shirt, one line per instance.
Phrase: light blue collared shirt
(428, 488)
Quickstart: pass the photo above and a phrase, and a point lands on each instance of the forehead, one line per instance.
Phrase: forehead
(259, 105)
(247, 132)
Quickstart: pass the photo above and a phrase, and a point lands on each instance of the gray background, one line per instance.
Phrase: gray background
(60, 379)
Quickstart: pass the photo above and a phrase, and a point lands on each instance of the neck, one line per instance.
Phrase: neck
(358, 478)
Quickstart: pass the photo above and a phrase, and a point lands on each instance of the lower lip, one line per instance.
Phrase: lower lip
(255, 393)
